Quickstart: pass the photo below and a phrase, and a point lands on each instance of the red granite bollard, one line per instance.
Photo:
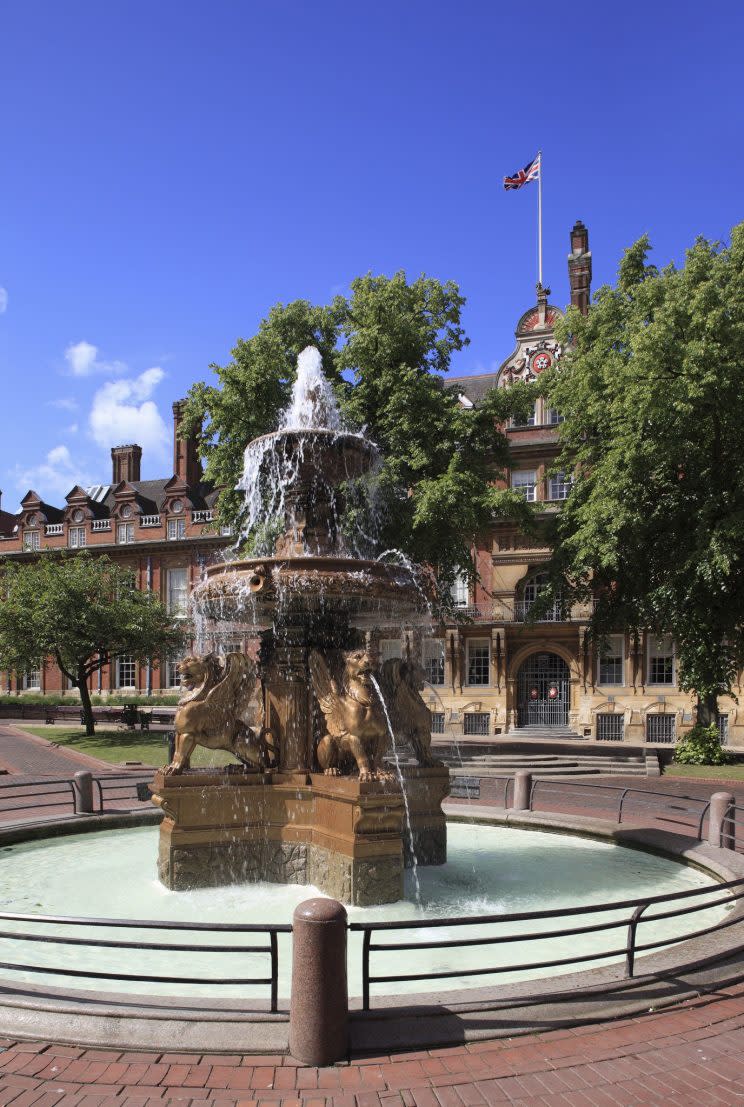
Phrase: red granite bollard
(82, 785)
(721, 832)
(319, 1004)
(522, 790)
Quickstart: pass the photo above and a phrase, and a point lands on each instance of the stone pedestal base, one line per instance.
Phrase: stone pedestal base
(348, 838)
(345, 837)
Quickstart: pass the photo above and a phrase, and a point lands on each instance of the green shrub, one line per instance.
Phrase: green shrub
(28, 699)
(702, 746)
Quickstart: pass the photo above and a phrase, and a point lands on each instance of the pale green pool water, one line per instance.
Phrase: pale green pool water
(491, 870)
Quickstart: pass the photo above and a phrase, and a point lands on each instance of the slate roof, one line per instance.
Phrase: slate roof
(474, 386)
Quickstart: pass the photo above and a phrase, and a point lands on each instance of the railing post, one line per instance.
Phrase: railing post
(82, 788)
(522, 790)
(319, 1003)
(721, 805)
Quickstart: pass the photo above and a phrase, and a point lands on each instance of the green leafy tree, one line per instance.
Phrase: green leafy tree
(83, 611)
(386, 349)
(652, 394)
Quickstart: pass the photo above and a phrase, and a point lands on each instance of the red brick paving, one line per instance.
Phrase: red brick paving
(688, 1056)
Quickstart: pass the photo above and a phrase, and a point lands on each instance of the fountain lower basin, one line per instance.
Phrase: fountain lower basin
(491, 870)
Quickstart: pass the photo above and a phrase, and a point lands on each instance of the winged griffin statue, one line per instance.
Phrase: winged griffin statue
(214, 708)
(357, 730)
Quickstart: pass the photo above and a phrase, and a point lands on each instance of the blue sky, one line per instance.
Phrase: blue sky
(172, 169)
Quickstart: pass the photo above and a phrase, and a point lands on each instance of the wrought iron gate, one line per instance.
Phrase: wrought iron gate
(543, 691)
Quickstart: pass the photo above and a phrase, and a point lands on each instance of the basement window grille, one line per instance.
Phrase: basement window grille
(437, 722)
(660, 728)
(610, 727)
(476, 722)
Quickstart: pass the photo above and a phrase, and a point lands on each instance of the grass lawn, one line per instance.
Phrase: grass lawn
(118, 746)
(707, 772)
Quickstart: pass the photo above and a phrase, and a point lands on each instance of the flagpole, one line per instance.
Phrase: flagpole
(539, 218)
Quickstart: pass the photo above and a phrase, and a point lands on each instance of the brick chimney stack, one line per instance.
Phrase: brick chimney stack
(186, 463)
(126, 461)
(580, 267)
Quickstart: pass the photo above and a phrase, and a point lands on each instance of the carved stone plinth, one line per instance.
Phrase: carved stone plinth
(342, 835)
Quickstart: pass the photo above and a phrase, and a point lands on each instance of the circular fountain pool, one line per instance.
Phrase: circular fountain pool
(490, 871)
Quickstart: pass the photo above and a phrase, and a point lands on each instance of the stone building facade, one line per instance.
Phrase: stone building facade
(497, 674)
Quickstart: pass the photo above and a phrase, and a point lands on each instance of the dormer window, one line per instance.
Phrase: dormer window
(76, 537)
(176, 529)
(125, 531)
(31, 539)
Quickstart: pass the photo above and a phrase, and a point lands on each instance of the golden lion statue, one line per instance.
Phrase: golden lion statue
(401, 682)
(211, 711)
(356, 727)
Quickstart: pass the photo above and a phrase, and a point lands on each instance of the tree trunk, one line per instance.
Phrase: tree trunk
(82, 684)
(707, 709)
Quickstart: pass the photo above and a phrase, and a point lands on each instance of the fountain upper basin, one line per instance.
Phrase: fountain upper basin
(367, 593)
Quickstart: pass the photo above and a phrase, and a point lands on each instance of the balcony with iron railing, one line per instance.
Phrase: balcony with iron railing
(519, 611)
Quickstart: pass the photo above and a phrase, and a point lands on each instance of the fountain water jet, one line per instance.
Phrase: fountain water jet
(314, 801)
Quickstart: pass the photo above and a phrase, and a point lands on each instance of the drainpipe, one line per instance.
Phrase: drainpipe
(148, 676)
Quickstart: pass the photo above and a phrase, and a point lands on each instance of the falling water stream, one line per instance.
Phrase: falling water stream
(399, 773)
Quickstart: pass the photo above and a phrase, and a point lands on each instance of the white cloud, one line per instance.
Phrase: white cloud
(81, 357)
(54, 477)
(72, 428)
(3, 299)
(83, 360)
(123, 412)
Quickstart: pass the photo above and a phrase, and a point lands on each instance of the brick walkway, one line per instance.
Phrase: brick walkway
(25, 754)
(686, 1057)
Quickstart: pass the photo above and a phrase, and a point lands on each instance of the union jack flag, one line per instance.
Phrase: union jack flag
(530, 172)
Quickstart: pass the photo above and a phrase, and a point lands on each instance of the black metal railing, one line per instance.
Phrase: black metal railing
(734, 890)
(19, 798)
(688, 811)
(121, 946)
(40, 795)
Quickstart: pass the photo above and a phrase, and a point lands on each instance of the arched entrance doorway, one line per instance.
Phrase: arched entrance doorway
(543, 691)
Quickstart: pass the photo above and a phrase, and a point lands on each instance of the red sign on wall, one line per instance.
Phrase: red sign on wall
(552, 692)
(534, 693)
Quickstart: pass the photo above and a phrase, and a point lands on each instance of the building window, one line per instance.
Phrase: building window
(172, 674)
(433, 658)
(126, 672)
(176, 529)
(660, 728)
(524, 481)
(125, 533)
(554, 417)
(530, 421)
(611, 661)
(178, 592)
(76, 537)
(559, 487)
(31, 540)
(478, 655)
(476, 722)
(610, 728)
(437, 722)
(723, 729)
(660, 660)
(390, 648)
(32, 680)
(460, 590)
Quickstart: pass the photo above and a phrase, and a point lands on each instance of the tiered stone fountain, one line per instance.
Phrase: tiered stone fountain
(314, 801)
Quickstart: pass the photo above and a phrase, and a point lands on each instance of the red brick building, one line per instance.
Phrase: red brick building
(164, 529)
